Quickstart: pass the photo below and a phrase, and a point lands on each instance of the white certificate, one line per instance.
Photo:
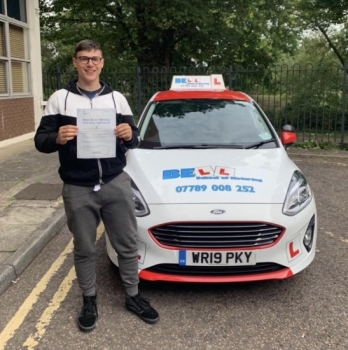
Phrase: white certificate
(96, 137)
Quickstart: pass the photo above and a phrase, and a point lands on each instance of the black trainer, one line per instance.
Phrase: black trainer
(89, 314)
(142, 308)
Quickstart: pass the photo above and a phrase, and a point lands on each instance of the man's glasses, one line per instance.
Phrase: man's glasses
(94, 59)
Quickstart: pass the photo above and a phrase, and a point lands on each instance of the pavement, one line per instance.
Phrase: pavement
(31, 207)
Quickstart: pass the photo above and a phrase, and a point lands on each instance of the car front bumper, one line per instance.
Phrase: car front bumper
(286, 257)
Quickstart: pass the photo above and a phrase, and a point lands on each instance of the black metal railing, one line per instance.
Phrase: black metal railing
(313, 98)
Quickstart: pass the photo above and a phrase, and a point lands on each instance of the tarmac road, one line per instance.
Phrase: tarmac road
(308, 311)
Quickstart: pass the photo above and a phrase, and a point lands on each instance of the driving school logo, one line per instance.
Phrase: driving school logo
(204, 172)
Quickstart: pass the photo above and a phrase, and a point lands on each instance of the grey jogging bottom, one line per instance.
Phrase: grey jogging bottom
(113, 205)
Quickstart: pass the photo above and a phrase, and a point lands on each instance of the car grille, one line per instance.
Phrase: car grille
(216, 235)
(174, 269)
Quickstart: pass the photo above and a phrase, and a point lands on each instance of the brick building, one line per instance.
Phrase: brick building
(20, 70)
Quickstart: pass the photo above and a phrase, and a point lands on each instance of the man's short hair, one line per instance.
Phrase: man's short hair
(86, 45)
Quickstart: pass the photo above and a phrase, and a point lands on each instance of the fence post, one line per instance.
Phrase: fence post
(59, 84)
(139, 91)
(344, 101)
(230, 78)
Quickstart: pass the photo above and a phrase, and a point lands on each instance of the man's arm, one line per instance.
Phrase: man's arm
(47, 132)
(50, 135)
(126, 130)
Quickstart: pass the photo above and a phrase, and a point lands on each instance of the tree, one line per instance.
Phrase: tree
(176, 32)
(329, 18)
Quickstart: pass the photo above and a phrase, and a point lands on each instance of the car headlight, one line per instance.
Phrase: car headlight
(141, 208)
(299, 195)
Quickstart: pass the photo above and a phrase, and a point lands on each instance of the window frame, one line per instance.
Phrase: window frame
(8, 58)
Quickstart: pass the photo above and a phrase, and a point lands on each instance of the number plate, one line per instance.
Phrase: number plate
(222, 258)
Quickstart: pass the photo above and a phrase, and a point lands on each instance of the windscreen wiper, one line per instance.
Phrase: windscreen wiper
(260, 143)
(202, 146)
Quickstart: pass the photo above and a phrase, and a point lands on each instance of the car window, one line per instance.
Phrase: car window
(205, 122)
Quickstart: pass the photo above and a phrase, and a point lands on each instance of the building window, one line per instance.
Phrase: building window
(3, 78)
(17, 9)
(19, 68)
(3, 63)
(2, 39)
(17, 42)
(14, 52)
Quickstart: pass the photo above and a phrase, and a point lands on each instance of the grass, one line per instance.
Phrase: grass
(323, 145)
(329, 140)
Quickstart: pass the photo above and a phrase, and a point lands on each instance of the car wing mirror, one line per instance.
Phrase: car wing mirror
(288, 135)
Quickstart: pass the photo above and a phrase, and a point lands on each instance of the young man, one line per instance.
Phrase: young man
(95, 189)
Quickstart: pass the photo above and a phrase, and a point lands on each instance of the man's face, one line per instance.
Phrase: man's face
(88, 71)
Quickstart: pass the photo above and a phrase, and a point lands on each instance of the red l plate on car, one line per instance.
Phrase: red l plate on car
(221, 258)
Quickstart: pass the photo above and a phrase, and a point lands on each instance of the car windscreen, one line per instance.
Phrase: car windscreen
(204, 123)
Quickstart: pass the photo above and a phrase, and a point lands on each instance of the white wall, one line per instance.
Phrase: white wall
(35, 57)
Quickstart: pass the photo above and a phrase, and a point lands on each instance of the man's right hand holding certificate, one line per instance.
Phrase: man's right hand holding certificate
(124, 131)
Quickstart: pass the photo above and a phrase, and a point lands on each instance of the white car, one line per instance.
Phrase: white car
(217, 198)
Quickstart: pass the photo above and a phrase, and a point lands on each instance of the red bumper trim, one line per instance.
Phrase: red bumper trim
(153, 276)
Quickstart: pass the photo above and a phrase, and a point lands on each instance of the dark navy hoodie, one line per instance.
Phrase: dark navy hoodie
(61, 109)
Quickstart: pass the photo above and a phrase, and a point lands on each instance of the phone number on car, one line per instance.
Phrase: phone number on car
(215, 188)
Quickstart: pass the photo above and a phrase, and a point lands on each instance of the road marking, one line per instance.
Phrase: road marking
(23, 311)
(54, 304)
(16, 321)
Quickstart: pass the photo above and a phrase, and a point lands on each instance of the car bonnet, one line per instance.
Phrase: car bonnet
(182, 176)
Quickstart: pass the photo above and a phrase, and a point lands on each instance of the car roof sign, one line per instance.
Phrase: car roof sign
(198, 82)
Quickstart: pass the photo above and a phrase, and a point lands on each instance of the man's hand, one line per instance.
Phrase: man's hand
(66, 133)
(124, 131)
